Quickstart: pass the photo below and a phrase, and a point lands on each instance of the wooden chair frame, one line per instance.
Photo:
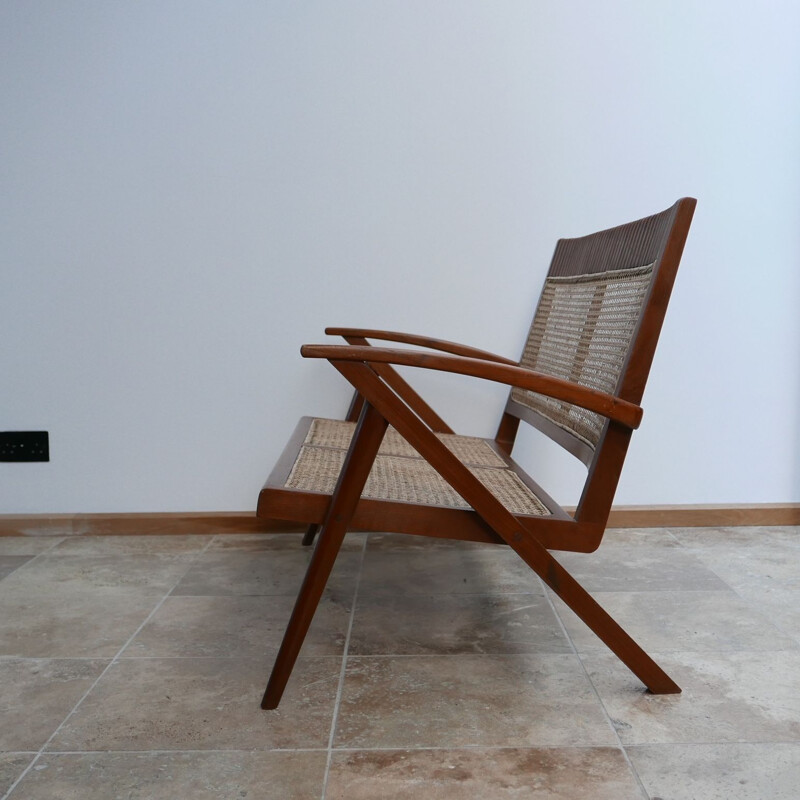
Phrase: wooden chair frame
(383, 398)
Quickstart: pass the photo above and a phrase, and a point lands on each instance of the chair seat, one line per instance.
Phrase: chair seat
(400, 474)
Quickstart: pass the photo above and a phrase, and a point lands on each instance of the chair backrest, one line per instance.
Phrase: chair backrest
(597, 324)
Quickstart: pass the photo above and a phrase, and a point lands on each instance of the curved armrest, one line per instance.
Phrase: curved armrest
(629, 414)
(421, 341)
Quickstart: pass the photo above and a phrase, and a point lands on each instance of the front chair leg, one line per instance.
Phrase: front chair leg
(594, 615)
(369, 433)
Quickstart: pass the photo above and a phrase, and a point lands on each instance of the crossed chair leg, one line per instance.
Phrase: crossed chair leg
(367, 439)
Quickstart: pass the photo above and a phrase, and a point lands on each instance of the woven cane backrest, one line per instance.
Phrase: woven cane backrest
(582, 332)
(586, 325)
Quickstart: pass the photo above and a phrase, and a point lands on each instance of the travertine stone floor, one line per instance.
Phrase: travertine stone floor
(133, 666)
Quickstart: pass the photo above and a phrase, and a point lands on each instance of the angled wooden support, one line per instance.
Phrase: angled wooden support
(367, 440)
(401, 386)
(503, 522)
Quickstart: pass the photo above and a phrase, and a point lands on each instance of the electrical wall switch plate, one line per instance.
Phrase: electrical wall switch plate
(24, 446)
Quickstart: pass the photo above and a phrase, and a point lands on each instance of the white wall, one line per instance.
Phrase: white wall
(190, 190)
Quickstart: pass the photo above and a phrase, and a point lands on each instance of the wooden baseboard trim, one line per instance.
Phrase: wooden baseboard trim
(675, 516)
(704, 516)
(141, 524)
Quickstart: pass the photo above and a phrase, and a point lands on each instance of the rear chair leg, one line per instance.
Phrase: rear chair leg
(364, 448)
(310, 534)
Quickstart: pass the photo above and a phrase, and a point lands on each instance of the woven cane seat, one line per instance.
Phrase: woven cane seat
(399, 474)
(469, 449)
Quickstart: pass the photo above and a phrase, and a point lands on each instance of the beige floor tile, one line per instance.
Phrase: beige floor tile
(264, 572)
(9, 564)
(639, 564)
(394, 542)
(719, 771)
(727, 697)
(271, 542)
(761, 568)
(738, 538)
(37, 694)
(69, 622)
(27, 545)
(460, 701)
(450, 624)
(780, 606)
(599, 773)
(12, 765)
(202, 704)
(174, 776)
(643, 539)
(132, 574)
(237, 627)
(437, 569)
(681, 621)
(131, 545)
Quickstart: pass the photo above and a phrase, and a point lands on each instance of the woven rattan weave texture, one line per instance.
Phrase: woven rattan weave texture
(337, 433)
(400, 475)
(581, 333)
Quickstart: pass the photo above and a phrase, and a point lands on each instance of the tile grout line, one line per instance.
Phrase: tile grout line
(110, 664)
(32, 559)
(340, 687)
(639, 783)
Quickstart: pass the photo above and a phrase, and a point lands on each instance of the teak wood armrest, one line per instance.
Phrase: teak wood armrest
(510, 374)
(420, 341)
